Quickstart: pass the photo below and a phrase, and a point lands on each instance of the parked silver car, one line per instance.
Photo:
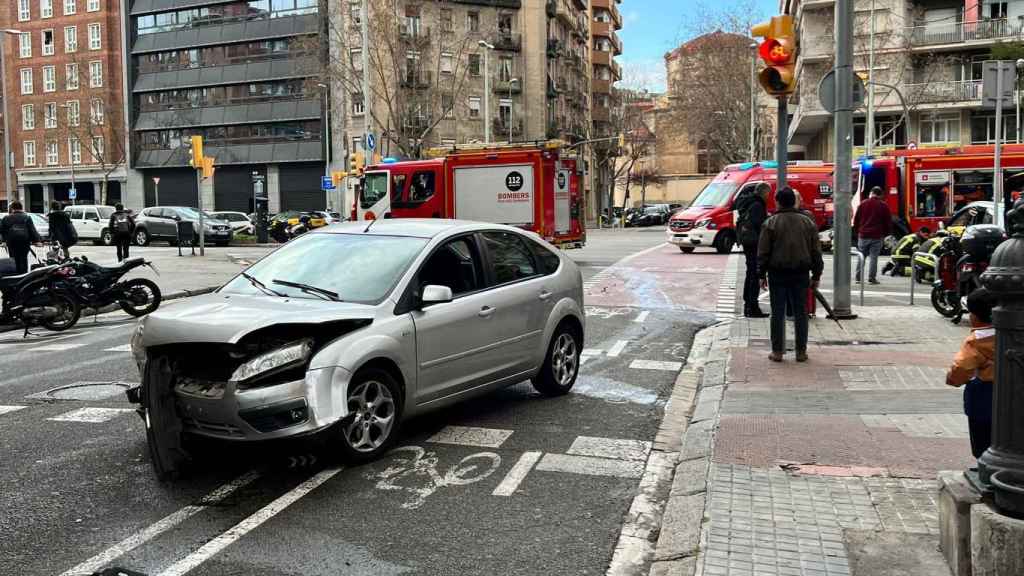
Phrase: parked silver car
(161, 223)
(356, 327)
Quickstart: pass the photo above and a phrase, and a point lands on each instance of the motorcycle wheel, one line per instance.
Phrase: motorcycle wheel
(142, 296)
(72, 311)
(941, 305)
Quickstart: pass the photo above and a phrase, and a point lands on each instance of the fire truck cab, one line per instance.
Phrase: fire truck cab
(710, 219)
(532, 186)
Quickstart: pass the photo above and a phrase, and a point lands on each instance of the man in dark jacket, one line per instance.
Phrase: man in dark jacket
(122, 225)
(62, 230)
(19, 233)
(789, 251)
(872, 224)
(752, 211)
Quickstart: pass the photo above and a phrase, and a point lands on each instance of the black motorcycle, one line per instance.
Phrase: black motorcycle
(95, 286)
(960, 266)
(38, 298)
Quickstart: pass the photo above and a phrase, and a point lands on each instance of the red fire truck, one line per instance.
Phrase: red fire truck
(532, 186)
(927, 186)
(710, 220)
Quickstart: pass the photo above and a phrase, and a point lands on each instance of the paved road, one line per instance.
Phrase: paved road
(508, 484)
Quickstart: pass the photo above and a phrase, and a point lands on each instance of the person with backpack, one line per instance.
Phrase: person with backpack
(19, 233)
(752, 211)
(122, 225)
(62, 231)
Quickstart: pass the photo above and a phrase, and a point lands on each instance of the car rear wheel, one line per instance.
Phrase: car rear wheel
(141, 237)
(562, 364)
(374, 398)
(687, 249)
(107, 237)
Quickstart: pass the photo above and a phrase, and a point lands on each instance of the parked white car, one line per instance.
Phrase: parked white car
(91, 222)
(239, 222)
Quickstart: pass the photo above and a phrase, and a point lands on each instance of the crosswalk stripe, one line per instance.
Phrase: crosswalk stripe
(122, 348)
(591, 466)
(614, 448)
(91, 415)
(515, 476)
(471, 436)
(656, 365)
(9, 409)
(58, 347)
(617, 348)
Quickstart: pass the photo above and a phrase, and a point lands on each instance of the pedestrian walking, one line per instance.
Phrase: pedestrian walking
(974, 366)
(752, 211)
(122, 225)
(872, 224)
(789, 264)
(19, 233)
(62, 231)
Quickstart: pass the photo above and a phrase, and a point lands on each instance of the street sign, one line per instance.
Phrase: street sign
(827, 91)
(991, 83)
(326, 183)
(72, 193)
(156, 180)
(371, 141)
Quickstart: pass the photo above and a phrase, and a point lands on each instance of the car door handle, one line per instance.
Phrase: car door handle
(544, 295)
(485, 312)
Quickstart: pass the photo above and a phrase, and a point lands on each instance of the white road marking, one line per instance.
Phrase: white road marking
(58, 347)
(617, 348)
(91, 415)
(516, 475)
(471, 436)
(153, 530)
(9, 409)
(642, 317)
(590, 466)
(221, 542)
(614, 448)
(57, 370)
(121, 348)
(656, 365)
(591, 352)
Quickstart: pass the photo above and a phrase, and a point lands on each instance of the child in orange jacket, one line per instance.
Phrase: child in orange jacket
(975, 366)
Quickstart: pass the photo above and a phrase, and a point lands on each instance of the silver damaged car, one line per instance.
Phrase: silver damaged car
(351, 329)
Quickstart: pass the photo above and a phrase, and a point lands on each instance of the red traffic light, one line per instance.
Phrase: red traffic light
(775, 52)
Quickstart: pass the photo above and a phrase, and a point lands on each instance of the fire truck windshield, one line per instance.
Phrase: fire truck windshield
(375, 188)
(715, 194)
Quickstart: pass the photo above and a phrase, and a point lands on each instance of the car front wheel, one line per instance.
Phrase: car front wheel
(107, 237)
(374, 400)
(562, 364)
(141, 237)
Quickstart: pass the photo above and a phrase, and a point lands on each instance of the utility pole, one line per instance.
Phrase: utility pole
(869, 128)
(753, 101)
(487, 89)
(364, 20)
(843, 141)
(997, 180)
(782, 142)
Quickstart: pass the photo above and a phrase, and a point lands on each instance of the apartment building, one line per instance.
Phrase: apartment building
(243, 75)
(606, 21)
(64, 100)
(931, 50)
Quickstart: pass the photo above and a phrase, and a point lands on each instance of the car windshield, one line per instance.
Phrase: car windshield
(359, 268)
(39, 219)
(375, 188)
(105, 212)
(715, 194)
(193, 214)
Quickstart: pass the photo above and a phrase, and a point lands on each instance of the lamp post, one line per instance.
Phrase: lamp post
(71, 158)
(487, 89)
(3, 94)
(511, 108)
(327, 139)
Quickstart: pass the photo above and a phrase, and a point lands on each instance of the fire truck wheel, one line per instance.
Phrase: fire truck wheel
(687, 249)
(725, 242)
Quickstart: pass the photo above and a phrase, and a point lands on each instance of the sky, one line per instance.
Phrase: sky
(653, 27)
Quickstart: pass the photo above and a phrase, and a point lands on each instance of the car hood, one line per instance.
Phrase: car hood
(226, 318)
(695, 213)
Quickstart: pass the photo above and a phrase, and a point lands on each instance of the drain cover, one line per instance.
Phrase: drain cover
(84, 391)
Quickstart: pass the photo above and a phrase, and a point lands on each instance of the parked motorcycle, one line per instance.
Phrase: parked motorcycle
(284, 230)
(37, 297)
(960, 266)
(94, 286)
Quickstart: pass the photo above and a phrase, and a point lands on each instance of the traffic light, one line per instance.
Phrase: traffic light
(196, 153)
(337, 177)
(778, 50)
(207, 167)
(355, 163)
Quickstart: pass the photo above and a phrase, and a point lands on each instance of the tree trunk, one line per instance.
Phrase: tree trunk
(103, 191)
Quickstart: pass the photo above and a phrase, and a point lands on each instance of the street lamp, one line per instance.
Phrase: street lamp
(71, 159)
(327, 139)
(487, 89)
(511, 108)
(3, 94)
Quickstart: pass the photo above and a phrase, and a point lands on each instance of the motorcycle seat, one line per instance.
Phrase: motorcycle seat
(13, 280)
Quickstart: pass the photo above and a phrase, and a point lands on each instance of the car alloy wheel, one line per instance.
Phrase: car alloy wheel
(564, 359)
(374, 408)
(562, 364)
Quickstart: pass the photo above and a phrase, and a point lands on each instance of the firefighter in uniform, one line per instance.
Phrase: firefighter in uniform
(899, 262)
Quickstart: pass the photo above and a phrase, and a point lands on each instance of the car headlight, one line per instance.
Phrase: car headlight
(138, 350)
(702, 223)
(280, 359)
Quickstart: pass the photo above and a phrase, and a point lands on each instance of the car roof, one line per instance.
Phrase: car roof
(415, 227)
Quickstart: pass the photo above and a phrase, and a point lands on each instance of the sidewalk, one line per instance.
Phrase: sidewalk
(824, 468)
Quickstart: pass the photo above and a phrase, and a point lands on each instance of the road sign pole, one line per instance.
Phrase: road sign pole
(843, 141)
(997, 184)
(781, 142)
(202, 227)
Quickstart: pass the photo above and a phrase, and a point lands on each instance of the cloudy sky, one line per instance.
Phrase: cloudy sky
(653, 27)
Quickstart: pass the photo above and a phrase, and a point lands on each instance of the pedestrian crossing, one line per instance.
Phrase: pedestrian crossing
(725, 308)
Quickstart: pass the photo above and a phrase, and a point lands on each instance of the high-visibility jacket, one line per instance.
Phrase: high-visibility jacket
(906, 247)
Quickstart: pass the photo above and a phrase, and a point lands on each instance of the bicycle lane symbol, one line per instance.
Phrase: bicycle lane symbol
(417, 474)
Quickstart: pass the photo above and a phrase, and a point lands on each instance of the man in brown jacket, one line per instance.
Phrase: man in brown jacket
(789, 263)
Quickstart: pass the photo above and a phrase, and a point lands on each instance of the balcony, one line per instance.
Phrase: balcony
(948, 92)
(226, 31)
(230, 74)
(229, 152)
(507, 41)
(601, 114)
(500, 127)
(959, 34)
(610, 6)
(605, 30)
(417, 79)
(599, 58)
(506, 87)
(554, 48)
(598, 86)
(418, 35)
(245, 113)
(565, 13)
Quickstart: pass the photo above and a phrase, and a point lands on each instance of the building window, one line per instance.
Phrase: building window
(50, 115)
(412, 20)
(505, 24)
(356, 55)
(93, 6)
(52, 157)
(983, 129)
(474, 107)
(96, 74)
(30, 153)
(446, 20)
(474, 64)
(357, 144)
(505, 111)
(448, 105)
(95, 42)
(71, 38)
(69, 7)
(28, 117)
(75, 150)
(96, 113)
(97, 148)
(46, 8)
(24, 10)
(887, 133)
(48, 44)
(505, 69)
(448, 142)
(355, 12)
(447, 63)
(357, 104)
(26, 80)
(71, 80)
(25, 45)
(74, 113)
(49, 79)
(473, 21)
(940, 129)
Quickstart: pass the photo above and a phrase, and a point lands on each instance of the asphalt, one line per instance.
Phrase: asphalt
(71, 490)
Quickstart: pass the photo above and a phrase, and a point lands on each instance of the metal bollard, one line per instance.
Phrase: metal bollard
(860, 266)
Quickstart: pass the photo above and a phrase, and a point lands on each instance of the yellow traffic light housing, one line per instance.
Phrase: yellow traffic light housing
(337, 176)
(207, 167)
(778, 51)
(196, 153)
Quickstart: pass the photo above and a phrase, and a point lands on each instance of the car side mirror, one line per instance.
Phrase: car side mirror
(434, 294)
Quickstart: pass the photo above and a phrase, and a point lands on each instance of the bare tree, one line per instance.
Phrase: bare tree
(632, 121)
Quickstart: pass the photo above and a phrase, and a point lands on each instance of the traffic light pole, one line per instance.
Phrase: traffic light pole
(781, 142)
(843, 133)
